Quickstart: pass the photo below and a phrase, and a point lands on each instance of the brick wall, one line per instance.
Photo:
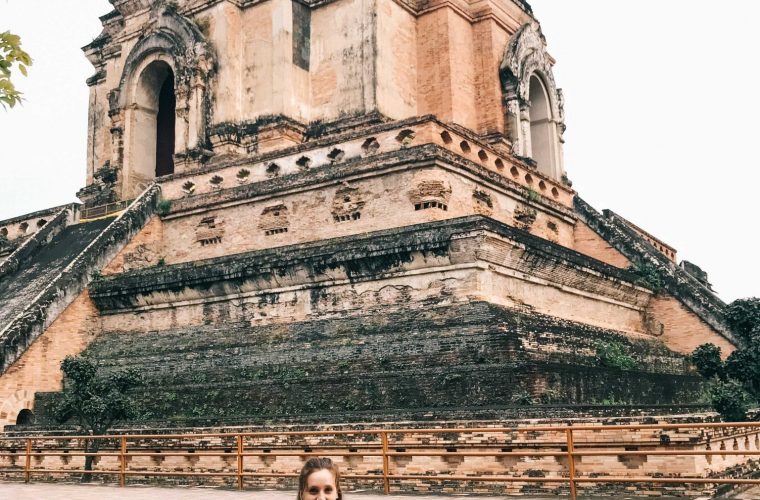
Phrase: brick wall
(684, 331)
(39, 368)
(457, 356)
(589, 243)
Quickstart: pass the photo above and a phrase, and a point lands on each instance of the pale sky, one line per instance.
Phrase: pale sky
(661, 105)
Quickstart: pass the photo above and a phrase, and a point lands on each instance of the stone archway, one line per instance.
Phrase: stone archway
(543, 129)
(161, 108)
(13, 405)
(151, 125)
(534, 104)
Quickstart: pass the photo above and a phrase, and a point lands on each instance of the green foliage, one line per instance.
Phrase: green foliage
(647, 276)
(523, 398)
(163, 207)
(96, 401)
(743, 316)
(730, 400)
(739, 386)
(532, 194)
(743, 365)
(11, 55)
(707, 360)
(615, 355)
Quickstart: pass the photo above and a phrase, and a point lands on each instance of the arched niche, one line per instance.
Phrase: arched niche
(543, 130)
(533, 103)
(25, 417)
(151, 123)
(172, 66)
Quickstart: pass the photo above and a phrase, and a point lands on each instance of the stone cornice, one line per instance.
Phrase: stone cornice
(359, 256)
(419, 156)
(510, 14)
(38, 214)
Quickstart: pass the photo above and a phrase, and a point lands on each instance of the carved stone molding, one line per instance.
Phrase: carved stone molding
(348, 203)
(274, 219)
(182, 41)
(176, 42)
(129, 7)
(525, 57)
(429, 189)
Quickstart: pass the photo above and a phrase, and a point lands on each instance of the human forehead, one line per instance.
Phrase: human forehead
(320, 478)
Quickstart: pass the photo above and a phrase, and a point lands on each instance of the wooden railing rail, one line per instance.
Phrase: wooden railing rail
(385, 444)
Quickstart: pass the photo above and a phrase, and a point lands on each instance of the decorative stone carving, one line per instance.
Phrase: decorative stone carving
(526, 57)
(274, 220)
(141, 257)
(129, 7)
(179, 43)
(347, 204)
(482, 202)
(429, 192)
(209, 231)
(525, 217)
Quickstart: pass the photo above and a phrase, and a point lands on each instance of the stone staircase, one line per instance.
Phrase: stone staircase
(37, 284)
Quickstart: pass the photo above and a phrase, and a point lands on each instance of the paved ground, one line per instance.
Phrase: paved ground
(37, 491)
(18, 491)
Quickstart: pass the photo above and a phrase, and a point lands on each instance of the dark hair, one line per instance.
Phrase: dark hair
(317, 464)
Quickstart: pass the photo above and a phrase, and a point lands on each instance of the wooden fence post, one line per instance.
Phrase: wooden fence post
(123, 461)
(28, 461)
(571, 463)
(386, 464)
(240, 461)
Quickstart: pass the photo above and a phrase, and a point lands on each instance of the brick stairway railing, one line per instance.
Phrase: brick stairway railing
(19, 334)
(39, 239)
(675, 280)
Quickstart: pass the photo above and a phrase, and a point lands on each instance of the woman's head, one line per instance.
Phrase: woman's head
(319, 480)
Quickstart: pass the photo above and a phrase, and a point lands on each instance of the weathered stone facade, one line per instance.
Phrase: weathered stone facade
(372, 188)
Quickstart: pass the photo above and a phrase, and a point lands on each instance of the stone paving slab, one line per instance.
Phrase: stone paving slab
(18, 491)
(37, 491)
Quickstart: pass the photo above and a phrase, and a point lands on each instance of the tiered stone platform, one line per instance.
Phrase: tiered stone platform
(475, 355)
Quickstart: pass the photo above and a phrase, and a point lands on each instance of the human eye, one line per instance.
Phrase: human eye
(314, 491)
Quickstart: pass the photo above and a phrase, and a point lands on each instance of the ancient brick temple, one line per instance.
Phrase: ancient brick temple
(341, 208)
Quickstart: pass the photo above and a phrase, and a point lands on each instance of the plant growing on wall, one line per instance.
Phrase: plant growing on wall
(615, 355)
(736, 382)
(743, 316)
(647, 276)
(96, 400)
(163, 207)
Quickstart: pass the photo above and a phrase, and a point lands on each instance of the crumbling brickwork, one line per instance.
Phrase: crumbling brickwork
(355, 185)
